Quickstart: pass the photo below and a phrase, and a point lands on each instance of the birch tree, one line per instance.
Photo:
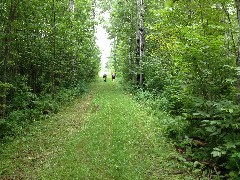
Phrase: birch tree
(71, 5)
(140, 39)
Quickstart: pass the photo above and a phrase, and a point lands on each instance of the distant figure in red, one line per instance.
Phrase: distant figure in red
(113, 76)
(105, 77)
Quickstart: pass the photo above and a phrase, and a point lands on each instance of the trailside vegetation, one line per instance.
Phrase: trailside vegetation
(183, 57)
(48, 54)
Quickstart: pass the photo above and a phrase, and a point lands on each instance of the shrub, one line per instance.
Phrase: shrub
(28, 107)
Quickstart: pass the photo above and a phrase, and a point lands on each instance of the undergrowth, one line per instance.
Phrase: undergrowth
(205, 133)
(28, 107)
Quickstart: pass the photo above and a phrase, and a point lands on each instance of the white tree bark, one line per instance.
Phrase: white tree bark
(71, 5)
(140, 38)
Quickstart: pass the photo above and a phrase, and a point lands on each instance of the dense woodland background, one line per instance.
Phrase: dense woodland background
(180, 56)
(48, 54)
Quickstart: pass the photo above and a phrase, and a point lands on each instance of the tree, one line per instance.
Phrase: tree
(140, 39)
(46, 47)
(188, 58)
(238, 54)
(7, 41)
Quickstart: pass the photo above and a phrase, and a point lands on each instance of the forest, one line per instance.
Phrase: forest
(182, 56)
(177, 56)
(48, 55)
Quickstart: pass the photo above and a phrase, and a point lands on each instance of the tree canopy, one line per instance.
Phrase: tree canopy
(181, 55)
(189, 66)
(46, 46)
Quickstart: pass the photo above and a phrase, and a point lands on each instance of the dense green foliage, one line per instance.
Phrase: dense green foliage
(189, 69)
(178, 55)
(47, 47)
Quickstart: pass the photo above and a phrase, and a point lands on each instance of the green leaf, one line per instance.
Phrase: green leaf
(210, 129)
(230, 145)
(218, 152)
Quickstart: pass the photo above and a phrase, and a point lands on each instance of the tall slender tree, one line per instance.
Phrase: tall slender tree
(238, 52)
(140, 39)
(7, 46)
(71, 5)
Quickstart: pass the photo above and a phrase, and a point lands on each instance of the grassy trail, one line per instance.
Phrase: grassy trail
(104, 135)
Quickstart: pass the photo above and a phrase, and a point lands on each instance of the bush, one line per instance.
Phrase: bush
(207, 130)
(217, 124)
(28, 107)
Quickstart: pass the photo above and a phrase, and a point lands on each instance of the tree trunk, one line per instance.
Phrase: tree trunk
(71, 5)
(7, 54)
(130, 60)
(140, 40)
(223, 6)
(53, 88)
(94, 9)
(132, 45)
(238, 53)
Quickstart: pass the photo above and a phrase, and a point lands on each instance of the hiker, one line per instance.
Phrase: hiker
(113, 77)
(105, 77)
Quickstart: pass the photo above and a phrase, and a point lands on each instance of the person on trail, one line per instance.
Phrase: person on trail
(105, 77)
(113, 77)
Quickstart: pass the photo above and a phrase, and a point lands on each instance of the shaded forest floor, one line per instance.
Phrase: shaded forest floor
(102, 135)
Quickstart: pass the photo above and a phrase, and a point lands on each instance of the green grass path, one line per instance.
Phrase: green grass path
(103, 135)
